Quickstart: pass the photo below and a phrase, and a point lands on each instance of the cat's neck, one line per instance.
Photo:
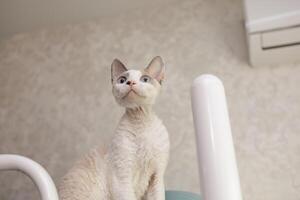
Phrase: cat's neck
(140, 113)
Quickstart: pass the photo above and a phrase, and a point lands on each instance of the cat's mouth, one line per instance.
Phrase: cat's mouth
(131, 91)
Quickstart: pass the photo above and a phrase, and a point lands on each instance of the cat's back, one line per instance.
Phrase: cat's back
(87, 179)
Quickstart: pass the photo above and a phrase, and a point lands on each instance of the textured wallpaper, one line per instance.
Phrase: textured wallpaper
(56, 101)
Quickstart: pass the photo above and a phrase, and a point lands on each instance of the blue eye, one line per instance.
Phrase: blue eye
(121, 80)
(145, 79)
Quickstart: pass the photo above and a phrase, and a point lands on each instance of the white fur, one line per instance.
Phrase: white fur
(133, 166)
(147, 92)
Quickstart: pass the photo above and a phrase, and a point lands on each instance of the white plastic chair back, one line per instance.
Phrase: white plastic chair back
(217, 165)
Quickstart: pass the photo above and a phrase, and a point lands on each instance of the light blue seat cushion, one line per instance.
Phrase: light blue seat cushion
(179, 195)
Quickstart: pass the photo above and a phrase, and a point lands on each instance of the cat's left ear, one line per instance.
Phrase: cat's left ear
(117, 68)
(156, 69)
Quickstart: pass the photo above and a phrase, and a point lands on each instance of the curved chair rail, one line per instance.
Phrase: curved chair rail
(32, 169)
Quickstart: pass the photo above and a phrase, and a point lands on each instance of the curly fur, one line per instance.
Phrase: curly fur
(133, 166)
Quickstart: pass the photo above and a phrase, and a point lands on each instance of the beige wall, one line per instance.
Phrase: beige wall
(19, 16)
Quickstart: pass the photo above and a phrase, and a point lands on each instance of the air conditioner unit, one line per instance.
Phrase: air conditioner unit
(273, 31)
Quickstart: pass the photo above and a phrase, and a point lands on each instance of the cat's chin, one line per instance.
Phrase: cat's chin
(133, 99)
(131, 103)
(132, 94)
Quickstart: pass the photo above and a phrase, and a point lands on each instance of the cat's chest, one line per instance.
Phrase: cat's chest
(149, 141)
(152, 140)
(147, 148)
(151, 147)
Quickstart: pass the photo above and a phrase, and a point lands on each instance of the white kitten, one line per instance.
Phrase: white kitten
(133, 166)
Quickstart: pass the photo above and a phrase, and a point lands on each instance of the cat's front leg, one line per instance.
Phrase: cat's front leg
(121, 162)
(122, 189)
(156, 188)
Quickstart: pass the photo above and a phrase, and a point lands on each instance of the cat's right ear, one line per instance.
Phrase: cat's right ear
(117, 68)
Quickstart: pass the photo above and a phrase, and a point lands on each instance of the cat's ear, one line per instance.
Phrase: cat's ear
(156, 69)
(117, 68)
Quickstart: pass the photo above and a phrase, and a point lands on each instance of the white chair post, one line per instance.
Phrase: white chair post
(217, 163)
(34, 170)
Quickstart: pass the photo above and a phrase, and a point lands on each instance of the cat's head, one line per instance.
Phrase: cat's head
(135, 88)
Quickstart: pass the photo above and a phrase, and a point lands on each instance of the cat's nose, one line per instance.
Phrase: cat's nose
(130, 83)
